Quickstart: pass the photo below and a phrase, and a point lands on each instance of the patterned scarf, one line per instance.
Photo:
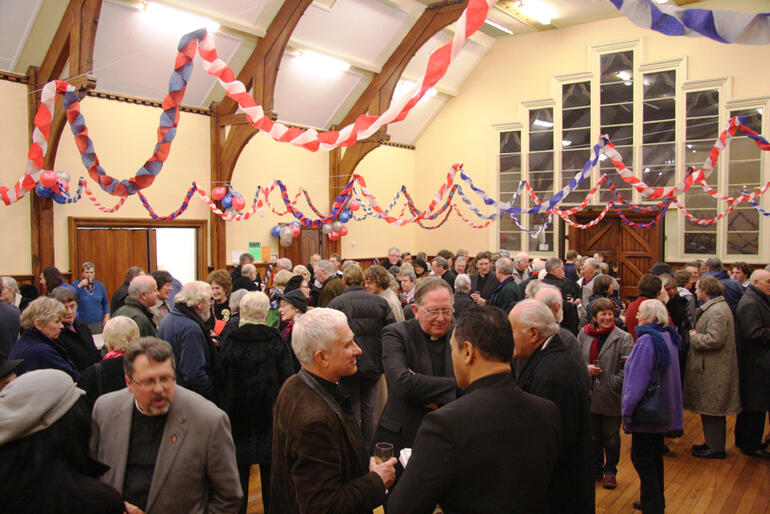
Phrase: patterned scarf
(596, 333)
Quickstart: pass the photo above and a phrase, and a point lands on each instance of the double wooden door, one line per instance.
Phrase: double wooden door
(631, 251)
(310, 241)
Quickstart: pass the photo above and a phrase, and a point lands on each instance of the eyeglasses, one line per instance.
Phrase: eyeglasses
(71, 307)
(434, 314)
(150, 383)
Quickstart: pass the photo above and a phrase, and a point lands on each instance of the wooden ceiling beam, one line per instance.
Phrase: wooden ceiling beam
(377, 96)
(72, 43)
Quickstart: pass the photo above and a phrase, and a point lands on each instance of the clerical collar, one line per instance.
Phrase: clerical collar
(144, 412)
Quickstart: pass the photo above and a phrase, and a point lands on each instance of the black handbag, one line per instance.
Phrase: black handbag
(653, 410)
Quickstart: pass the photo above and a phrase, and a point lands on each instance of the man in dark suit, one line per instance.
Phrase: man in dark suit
(418, 364)
(507, 293)
(551, 372)
(484, 281)
(441, 268)
(494, 427)
(320, 462)
(570, 292)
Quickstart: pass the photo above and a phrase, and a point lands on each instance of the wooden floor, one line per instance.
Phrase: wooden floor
(736, 485)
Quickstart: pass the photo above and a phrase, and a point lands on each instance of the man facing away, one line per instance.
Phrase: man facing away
(320, 462)
(494, 428)
(551, 372)
(169, 450)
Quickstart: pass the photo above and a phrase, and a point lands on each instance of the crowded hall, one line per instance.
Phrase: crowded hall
(385, 256)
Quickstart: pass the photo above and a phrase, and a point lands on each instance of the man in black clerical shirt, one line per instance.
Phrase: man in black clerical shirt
(169, 449)
(484, 281)
(320, 461)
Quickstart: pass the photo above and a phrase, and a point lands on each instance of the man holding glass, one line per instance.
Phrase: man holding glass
(418, 364)
(493, 447)
(320, 461)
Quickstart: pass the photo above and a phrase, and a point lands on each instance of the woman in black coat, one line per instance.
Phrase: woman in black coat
(250, 371)
(75, 337)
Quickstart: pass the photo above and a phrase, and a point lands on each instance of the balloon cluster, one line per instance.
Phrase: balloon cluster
(337, 229)
(54, 185)
(287, 233)
(230, 200)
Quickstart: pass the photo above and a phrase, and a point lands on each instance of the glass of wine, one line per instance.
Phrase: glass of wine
(382, 452)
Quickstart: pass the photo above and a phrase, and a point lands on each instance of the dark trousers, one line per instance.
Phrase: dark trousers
(363, 399)
(264, 473)
(749, 426)
(647, 456)
(714, 432)
(605, 443)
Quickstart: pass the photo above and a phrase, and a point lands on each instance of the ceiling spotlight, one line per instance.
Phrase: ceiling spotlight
(176, 21)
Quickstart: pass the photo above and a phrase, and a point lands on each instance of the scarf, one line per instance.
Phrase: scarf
(655, 332)
(596, 333)
(113, 354)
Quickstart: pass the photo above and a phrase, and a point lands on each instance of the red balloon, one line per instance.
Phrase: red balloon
(344, 231)
(238, 202)
(48, 179)
(218, 193)
(354, 205)
(334, 235)
(296, 229)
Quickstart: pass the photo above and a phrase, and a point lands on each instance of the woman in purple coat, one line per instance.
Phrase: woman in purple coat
(656, 346)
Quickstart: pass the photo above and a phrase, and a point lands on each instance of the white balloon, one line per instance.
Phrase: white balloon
(326, 229)
(337, 226)
(63, 175)
(286, 232)
(285, 242)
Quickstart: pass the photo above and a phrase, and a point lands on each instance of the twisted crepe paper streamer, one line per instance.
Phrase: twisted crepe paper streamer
(719, 25)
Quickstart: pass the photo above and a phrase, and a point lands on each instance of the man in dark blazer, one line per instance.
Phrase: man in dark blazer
(168, 449)
(484, 281)
(418, 364)
(552, 372)
(320, 462)
(494, 428)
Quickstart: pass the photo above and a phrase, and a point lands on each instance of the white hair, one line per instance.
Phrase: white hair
(551, 297)
(534, 314)
(533, 287)
(119, 332)
(193, 293)
(504, 266)
(325, 266)
(591, 263)
(285, 263)
(248, 268)
(316, 331)
(520, 257)
(253, 307)
(141, 284)
(463, 283)
(235, 299)
(653, 311)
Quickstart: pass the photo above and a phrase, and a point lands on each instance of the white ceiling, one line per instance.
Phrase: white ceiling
(135, 58)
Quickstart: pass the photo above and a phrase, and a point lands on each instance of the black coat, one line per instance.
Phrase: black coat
(79, 345)
(244, 283)
(554, 374)
(412, 383)
(462, 302)
(118, 298)
(492, 450)
(489, 285)
(752, 320)
(449, 277)
(10, 324)
(569, 291)
(367, 315)
(250, 371)
(108, 377)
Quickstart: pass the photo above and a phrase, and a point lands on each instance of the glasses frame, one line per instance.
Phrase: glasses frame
(164, 382)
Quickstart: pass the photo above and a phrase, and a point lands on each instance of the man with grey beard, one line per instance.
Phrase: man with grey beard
(185, 330)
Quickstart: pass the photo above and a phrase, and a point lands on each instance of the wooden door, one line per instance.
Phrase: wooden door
(631, 251)
(310, 241)
(113, 251)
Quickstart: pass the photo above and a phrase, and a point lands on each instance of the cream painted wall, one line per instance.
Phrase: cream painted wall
(15, 253)
(385, 170)
(521, 68)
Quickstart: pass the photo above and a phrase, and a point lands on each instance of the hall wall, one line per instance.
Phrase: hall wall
(521, 69)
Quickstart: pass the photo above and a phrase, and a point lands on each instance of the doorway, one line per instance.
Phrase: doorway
(631, 251)
(310, 241)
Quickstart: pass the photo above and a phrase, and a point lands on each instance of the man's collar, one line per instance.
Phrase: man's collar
(546, 342)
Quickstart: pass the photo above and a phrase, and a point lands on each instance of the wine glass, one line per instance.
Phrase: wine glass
(382, 452)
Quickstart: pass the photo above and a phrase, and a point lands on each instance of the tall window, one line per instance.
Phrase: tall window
(616, 97)
(658, 129)
(575, 136)
(509, 175)
(540, 170)
(702, 129)
(745, 172)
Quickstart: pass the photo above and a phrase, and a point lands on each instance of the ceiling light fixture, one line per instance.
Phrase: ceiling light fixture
(176, 21)
(537, 10)
(323, 64)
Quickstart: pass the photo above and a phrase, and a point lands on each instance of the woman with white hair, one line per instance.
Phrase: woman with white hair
(251, 369)
(652, 399)
(107, 375)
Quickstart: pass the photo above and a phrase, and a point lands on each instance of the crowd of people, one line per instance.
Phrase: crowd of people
(409, 383)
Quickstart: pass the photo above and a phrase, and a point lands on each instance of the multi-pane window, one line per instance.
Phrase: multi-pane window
(745, 172)
(658, 129)
(509, 175)
(616, 114)
(540, 170)
(575, 136)
(702, 129)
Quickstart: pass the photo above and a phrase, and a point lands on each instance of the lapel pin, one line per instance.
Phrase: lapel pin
(173, 438)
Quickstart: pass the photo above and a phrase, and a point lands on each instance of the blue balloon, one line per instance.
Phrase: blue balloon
(59, 198)
(43, 191)
(296, 222)
(344, 217)
(276, 231)
(227, 201)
